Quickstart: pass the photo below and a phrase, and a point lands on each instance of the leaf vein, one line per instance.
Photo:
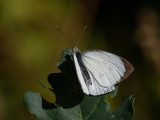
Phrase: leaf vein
(93, 109)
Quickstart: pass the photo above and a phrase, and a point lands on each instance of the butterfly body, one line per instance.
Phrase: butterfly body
(99, 71)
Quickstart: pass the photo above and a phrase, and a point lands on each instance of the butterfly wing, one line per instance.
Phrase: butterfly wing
(96, 88)
(80, 74)
(105, 70)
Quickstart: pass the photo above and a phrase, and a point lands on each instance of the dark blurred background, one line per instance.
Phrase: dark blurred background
(30, 46)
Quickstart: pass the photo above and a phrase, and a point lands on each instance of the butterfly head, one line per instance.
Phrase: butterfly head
(75, 49)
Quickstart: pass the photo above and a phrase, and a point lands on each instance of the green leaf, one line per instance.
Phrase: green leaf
(91, 108)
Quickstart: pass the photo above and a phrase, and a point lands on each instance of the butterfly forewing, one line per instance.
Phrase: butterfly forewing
(107, 68)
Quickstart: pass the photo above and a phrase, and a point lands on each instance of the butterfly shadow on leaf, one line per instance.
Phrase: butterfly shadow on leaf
(65, 86)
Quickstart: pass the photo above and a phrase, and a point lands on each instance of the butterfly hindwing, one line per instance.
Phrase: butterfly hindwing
(79, 75)
(108, 69)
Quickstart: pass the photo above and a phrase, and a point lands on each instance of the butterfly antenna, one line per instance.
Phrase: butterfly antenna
(59, 29)
(81, 34)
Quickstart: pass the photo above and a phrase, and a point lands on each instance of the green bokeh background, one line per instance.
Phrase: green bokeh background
(30, 46)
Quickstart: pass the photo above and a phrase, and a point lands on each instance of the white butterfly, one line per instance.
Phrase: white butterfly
(99, 71)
